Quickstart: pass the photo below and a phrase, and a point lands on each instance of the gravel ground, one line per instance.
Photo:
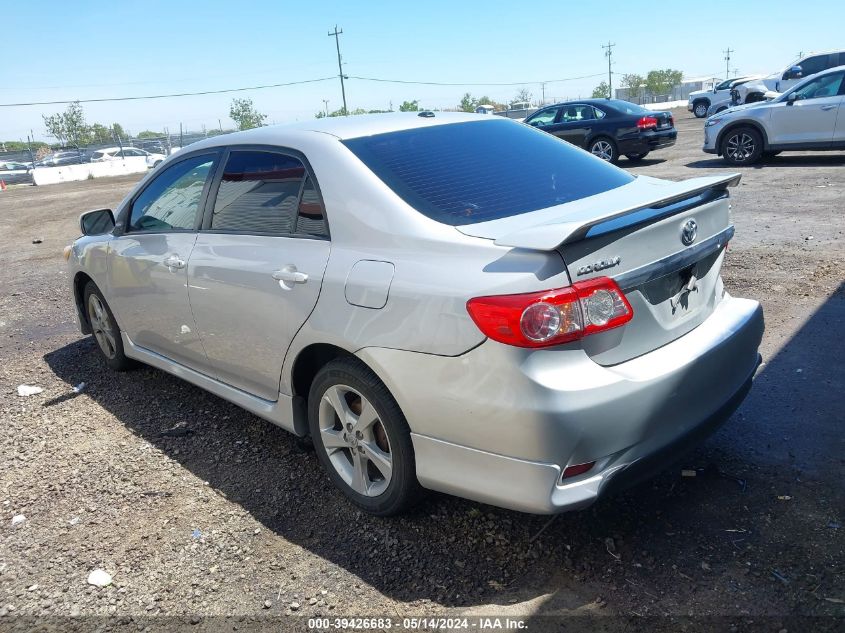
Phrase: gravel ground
(232, 517)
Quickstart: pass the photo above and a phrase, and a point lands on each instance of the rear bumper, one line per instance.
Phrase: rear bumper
(648, 142)
(499, 424)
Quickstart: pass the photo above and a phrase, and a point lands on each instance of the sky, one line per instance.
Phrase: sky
(60, 50)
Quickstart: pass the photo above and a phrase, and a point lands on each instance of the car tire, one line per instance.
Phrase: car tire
(742, 145)
(362, 438)
(636, 157)
(605, 148)
(104, 328)
(699, 108)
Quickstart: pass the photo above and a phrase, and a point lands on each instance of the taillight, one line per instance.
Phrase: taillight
(647, 123)
(552, 317)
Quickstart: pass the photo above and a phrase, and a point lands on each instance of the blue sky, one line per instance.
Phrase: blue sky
(88, 49)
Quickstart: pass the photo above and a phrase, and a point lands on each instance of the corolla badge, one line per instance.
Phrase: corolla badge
(689, 231)
(599, 265)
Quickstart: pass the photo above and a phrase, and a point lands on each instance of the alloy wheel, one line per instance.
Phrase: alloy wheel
(700, 110)
(101, 325)
(602, 149)
(355, 440)
(740, 147)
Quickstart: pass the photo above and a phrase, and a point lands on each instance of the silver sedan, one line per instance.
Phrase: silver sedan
(441, 301)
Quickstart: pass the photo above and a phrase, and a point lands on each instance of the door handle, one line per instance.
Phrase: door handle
(289, 275)
(829, 106)
(174, 262)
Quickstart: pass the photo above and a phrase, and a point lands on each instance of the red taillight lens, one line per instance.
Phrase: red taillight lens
(647, 123)
(552, 317)
(578, 469)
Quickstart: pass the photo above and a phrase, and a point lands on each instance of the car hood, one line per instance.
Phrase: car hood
(700, 93)
(744, 106)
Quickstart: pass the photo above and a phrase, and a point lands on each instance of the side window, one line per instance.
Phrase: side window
(600, 114)
(259, 193)
(172, 200)
(544, 117)
(813, 65)
(311, 220)
(826, 86)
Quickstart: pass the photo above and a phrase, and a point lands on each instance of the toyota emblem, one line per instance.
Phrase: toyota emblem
(689, 231)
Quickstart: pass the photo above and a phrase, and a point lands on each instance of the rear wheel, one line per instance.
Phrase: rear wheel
(604, 148)
(742, 146)
(699, 109)
(105, 329)
(636, 157)
(362, 438)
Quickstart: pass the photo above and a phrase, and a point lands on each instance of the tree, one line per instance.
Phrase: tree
(602, 91)
(55, 126)
(119, 131)
(468, 103)
(243, 113)
(100, 134)
(68, 127)
(523, 96)
(661, 82)
(410, 106)
(150, 134)
(635, 84)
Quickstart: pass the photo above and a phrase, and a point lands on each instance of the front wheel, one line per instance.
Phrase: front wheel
(636, 157)
(362, 439)
(742, 146)
(605, 149)
(699, 109)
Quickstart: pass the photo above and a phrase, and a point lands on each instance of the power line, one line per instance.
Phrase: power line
(167, 96)
(336, 33)
(489, 83)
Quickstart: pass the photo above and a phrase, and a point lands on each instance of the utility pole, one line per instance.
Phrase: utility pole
(728, 62)
(220, 125)
(543, 90)
(336, 33)
(608, 52)
(326, 106)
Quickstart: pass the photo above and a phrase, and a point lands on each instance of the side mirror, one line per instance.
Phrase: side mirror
(791, 98)
(96, 222)
(796, 72)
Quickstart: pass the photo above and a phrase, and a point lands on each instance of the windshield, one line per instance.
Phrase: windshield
(471, 172)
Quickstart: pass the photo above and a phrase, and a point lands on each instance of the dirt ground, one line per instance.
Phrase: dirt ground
(236, 519)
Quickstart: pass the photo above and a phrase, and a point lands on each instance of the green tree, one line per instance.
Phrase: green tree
(409, 106)
(635, 84)
(55, 126)
(151, 134)
(68, 127)
(468, 103)
(244, 114)
(661, 82)
(602, 91)
(100, 134)
(119, 131)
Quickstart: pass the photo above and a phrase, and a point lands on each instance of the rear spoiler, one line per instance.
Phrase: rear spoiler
(584, 218)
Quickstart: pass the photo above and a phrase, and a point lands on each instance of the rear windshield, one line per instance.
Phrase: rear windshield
(464, 173)
(626, 107)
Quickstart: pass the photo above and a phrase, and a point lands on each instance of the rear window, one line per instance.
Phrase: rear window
(626, 107)
(464, 173)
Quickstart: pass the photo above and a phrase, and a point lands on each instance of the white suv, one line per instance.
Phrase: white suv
(810, 116)
(700, 100)
(784, 79)
(116, 153)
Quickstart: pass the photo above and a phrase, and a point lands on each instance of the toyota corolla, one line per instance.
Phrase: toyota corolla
(450, 302)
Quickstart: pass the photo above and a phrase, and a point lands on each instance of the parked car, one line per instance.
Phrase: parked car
(13, 172)
(809, 117)
(785, 79)
(63, 157)
(607, 128)
(700, 101)
(724, 100)
(445, 301)
(117, 153)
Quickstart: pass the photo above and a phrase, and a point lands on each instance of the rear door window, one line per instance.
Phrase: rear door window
(464, 173)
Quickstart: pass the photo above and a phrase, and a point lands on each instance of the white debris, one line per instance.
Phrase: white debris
(28, 390)
(78, 388)
(18, 519)
(99, 578)
(74, 521)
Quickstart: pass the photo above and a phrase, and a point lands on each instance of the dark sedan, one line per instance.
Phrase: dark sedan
(608, 128)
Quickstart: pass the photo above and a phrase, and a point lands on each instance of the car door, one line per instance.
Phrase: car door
(809, 118)
(544, 119)
(256, 269)
(148, 278)
(809, 67)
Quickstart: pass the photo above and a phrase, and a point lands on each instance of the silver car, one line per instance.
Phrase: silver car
(451, 302)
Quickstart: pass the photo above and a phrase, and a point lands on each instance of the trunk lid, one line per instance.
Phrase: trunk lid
(641, 236)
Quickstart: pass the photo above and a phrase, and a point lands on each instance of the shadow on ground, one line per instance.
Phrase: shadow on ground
(671, 544)
(782, 160)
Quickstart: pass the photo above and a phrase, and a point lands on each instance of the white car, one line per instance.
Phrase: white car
(810, 116)
(116, 153)
(786, 78)
(701, 100)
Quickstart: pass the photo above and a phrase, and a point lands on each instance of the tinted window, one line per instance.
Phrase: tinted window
(826, 86)
(172, 199)
(813, 65)
(577, 113)
(259, 193)
(543, 117)
(464, 173)
(311, 219)
(626, 107)
(725, 84)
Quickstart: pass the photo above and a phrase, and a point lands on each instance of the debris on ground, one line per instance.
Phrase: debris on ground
(37, 240)
(688, 472)
(180, 430)
(99, 578)
(78, 388)
(18, 519)
(28, 390)
(784, 498)
(780, 576)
